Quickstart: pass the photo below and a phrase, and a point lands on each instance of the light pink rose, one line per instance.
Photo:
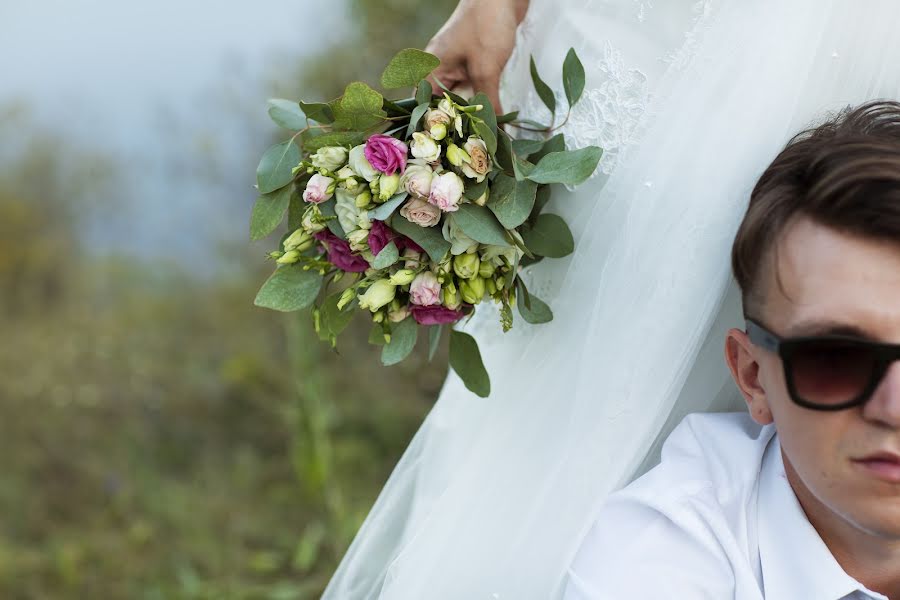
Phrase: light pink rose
(417, 180)
(425, 290)
(420, 212)
(446, 190)
(319, 189)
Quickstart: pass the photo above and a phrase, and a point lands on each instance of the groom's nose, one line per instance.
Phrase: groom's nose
(884, 405)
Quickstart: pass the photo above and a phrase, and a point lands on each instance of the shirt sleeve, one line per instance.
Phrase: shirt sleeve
(638, 552)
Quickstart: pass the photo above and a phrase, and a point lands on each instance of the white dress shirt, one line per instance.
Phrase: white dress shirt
(716, 519)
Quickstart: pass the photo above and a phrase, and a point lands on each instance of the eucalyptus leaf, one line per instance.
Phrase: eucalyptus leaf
(408, 67)
(569, 167)
(424, 92)
(508, 117)
(287, 114)
(474, 189)
(429, 238)
(480, 224)
(549, 236)
(483, 130)
(268, 212)
(543, 90)
(486, 113)
(511, 201)
(522, 168)
(334, 320)
(524, 148)
(289, 288)
(296, 208)
(394, 109)
(573, 77)
(540, 201)
(335, 138)
(275, 170)
(403, 340)
(504, 155)
(388, 256)
(416, 116)
(334, 225)
(434, 340)
(555, 144)
(465, 358)
(376, 335)
(533, 309)
(360, 108)
(387, 209)
(318, 111)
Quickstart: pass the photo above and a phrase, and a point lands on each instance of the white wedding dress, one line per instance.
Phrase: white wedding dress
(690, 100)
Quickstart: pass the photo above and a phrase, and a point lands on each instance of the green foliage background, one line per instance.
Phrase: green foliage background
(160, 437)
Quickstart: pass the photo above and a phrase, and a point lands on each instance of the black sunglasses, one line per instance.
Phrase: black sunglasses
(829, 372)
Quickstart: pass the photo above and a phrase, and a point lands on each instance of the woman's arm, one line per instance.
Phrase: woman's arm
(475, 43)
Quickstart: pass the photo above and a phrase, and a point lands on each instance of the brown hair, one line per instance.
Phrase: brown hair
(844, 174)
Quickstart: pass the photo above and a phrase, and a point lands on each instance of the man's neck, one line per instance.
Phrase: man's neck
(872, 560)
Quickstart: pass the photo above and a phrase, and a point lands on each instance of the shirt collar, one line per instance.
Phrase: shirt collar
(795, 561)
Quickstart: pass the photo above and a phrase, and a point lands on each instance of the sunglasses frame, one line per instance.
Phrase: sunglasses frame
(786, 348)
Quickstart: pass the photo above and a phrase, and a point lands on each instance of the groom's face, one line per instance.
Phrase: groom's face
(832, 283)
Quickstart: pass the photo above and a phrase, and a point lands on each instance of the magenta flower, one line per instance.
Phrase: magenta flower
(339, 253)
(435, 315)
(381, 235)
(387, 154)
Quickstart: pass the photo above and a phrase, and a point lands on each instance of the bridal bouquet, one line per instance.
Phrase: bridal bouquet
(413, 211)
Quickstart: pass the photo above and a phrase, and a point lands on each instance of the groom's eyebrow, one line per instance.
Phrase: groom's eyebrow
(828, 327)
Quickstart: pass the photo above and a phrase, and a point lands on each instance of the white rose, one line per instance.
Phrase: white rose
(421, 212)
(423, 146)
(446, 191)
(346, 210)
(417, 180)
(360, 164)
(460, 243)
(331, 158)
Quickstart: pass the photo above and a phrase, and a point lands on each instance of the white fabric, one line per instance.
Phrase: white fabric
(716, 519)
(691, 101)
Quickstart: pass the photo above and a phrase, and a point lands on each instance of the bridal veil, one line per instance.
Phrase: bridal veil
(690, 100)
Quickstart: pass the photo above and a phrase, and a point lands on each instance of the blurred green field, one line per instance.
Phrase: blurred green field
(160, 437)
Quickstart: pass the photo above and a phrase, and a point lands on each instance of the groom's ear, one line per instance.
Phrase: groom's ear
(740, 354)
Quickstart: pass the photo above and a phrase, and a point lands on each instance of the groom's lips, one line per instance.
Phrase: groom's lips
(882, 465)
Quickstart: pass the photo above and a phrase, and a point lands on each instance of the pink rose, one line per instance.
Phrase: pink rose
(435, 315)
(420, 212)
(446, 191)
(425, 289)
(319, 189)
(387, 154)
(340, 254)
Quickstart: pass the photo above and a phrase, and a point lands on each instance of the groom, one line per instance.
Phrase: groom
(803, 504)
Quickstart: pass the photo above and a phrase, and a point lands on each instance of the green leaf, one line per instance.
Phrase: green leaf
(483, 130)
(289, 288)
(334, 225)
(318, 111)
(434, 340)
(511, 200)
(522, 168)
(555, 144)
(360, 108)
(387, 209)
(286, 114)
(505, 153)
(403, 340)
(334, 320)
(543, 90)
(268, 212)
(429, 238)
(296, 208)
(524, 148)
(474, 190)
(568, 167)
(549, 236)
(334, 138)
(376, 335)
(424, 92)
(395, 109)
(540, 201)
(465, 359)
(486, 113)
(275, 168)
(388, 256)
(480, 224)
(508, 117)
(407, 68)
(573, 77)
(416, 116)
(533, 309)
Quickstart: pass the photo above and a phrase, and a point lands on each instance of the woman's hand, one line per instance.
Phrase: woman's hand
(475, 43)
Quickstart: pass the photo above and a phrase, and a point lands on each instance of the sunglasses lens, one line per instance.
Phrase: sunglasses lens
(831, 373)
